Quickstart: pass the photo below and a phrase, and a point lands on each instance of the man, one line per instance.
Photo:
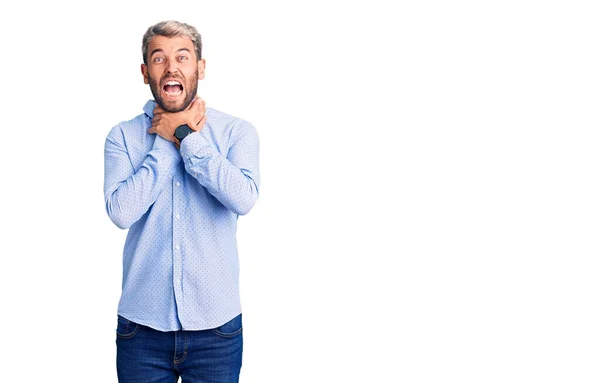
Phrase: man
(178, 176)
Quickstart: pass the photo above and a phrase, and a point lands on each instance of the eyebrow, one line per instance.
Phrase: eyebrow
(157, 50)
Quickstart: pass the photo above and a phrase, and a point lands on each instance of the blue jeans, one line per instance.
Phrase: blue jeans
(145, 355)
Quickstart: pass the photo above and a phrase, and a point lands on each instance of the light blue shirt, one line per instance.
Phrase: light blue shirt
(180, 260)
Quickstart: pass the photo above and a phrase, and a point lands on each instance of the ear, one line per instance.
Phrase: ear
(201, 67)
(145, 73)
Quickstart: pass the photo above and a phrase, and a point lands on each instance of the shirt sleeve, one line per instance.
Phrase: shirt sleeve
(128, 192)
(234, 178)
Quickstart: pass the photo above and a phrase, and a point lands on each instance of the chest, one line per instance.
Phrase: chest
(141, 142)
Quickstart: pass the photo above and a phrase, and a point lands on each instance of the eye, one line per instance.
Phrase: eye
(183, 58)
(158, 59)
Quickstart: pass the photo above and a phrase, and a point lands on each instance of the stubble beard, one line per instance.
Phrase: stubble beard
(189, 96)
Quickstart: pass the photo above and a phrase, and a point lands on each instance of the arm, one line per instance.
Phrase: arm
(129, 193)
(233, 179)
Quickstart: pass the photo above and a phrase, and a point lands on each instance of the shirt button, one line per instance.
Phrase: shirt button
(177, 183)
(176, 247)
(177, 216)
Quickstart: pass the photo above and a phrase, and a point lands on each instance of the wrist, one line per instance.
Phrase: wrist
(182, 132)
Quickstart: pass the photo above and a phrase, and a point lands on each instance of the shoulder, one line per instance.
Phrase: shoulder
(129, 127)
(217, 117)
(234, 126)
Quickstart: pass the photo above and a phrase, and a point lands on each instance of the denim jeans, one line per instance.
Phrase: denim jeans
(145, 355)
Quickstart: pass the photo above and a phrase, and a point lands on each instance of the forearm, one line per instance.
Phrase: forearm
(130, 192)
(232, 179)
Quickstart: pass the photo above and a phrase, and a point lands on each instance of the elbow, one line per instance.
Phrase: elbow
(117, 216)
(244, 207)
(120, 223)
(243, 210)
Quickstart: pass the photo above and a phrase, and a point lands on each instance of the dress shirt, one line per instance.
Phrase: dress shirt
(180, 260)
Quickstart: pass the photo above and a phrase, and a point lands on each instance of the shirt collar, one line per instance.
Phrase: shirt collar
(149, 108)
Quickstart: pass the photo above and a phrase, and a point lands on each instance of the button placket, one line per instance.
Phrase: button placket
(178, 205)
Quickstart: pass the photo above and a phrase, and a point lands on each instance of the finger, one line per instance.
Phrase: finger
(195, 121)
(196, 102)
(200, 111)
(200, 124)
(194, 107)
(191, 105)
(152, 130)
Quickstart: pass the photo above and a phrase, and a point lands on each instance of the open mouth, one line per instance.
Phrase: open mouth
(173, 88)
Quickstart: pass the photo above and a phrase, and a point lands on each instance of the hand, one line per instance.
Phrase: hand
(195, 114)
(164, 123)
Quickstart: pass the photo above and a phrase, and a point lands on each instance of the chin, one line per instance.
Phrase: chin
(172, 106)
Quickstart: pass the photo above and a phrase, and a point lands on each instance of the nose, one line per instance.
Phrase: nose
(172, 67)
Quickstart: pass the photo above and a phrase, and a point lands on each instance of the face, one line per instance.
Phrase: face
(172, 72)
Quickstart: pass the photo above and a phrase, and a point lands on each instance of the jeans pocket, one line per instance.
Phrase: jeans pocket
(231, 328)
(125, 328)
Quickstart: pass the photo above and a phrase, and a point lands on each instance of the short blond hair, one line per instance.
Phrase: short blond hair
(172, 28)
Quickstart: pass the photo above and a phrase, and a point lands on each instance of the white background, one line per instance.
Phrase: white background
(429, 201)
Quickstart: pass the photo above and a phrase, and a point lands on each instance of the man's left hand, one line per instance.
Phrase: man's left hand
(164, 123)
